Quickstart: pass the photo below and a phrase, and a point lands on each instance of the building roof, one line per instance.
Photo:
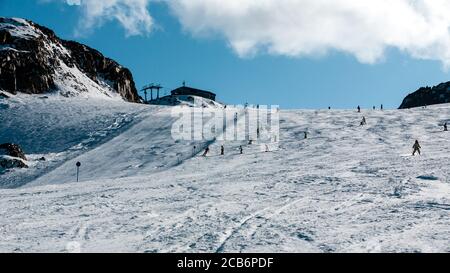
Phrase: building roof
(192, 90)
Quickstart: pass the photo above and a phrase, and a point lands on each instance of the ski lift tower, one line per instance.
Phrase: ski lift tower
(152, 87)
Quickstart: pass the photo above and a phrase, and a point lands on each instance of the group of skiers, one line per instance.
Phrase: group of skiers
(416, 147)
(222, 150)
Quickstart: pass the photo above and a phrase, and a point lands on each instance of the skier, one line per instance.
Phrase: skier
(363, 122)
(193, 151)
(381, 107)
(222, 150)
(206, 151)
(359, 109)
(374, 107)
(241, 151)
(445, 127)
(235, 117)
(267, 148)
(250, 142)
(329, 107)
(306, 135)
(416, 148)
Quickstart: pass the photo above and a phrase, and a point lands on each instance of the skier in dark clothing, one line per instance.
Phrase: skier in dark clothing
(250, 142)
(363, 122)
(306, 135)
(206, 151)
(241, 151)
(222, 150)
(381, 107)
(359, 109)
(416, 147)
(445, 127)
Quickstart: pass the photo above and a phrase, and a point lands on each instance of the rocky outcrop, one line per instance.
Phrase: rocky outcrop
(11, 156)
(13, 150)
(7, 162)
(427, 96)
(34, 60)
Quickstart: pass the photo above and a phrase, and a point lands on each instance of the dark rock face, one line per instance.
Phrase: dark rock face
(30, 54)
(95, 65)
(13, 150)
(11, 163)
(428, 96)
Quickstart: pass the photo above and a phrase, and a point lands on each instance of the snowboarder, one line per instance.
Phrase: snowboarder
(445, 127)
(222, 150)
(359, 109)
(416, 148)
(241, 151)
(363, 122)
(206, 151)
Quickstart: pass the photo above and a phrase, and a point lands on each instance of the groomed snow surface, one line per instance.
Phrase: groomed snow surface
(346, 188)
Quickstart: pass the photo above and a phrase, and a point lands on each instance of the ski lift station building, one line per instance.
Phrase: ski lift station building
(189, 91)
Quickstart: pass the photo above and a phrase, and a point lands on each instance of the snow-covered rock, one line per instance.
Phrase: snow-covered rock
(428, 96)
(10, 162)
(34, 60)
(13, 150)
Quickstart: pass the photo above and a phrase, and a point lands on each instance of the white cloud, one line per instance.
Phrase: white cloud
(133, 15)
(363, 28)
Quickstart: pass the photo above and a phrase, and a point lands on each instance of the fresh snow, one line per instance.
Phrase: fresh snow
(346, 188)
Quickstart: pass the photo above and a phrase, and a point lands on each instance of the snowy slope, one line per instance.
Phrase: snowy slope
(345, 188)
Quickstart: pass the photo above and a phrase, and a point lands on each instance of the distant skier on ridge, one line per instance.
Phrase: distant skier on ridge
(416, 148)
(445, 127)
(359, 109)
(222, 150)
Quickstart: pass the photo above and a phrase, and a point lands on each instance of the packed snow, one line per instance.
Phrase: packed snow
(345, 188)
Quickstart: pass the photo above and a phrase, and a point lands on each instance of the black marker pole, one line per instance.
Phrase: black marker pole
(78, 169)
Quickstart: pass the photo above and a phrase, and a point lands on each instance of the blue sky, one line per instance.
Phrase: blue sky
(171, 53)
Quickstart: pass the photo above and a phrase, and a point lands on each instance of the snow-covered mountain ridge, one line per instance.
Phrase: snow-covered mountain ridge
(34, 60)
